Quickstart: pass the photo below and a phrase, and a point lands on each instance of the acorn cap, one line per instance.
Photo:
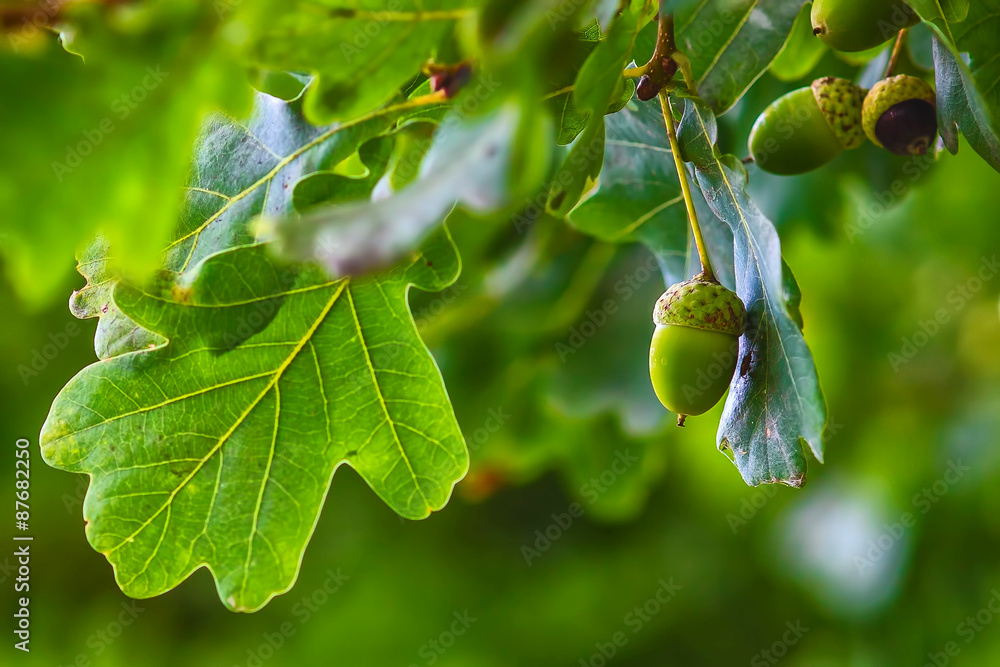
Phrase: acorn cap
(701, 304)
(888, 93)
(841, 101)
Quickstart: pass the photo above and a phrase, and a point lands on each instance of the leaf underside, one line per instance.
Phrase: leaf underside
(775, 405)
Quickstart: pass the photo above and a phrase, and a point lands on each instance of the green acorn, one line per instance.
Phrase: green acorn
(900, 115)
(808, 127)
(859, 25)
(695, 346)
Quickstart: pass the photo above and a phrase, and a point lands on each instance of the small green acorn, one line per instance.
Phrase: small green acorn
(900, 115)
(695, 346)
(808, 127)
(859, 25)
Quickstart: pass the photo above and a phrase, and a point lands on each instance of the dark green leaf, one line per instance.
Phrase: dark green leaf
(775, 403)
(961, 107)
(730, 44)
(638, 198)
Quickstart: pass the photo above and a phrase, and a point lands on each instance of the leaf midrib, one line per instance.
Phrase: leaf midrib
(225, 437)
(767, 304)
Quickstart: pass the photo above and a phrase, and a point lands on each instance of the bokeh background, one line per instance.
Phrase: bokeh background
(590, 530)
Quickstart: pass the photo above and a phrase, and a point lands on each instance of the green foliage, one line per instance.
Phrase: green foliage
(731, 44)
(217, 449)
(802, 51)
(255, 324)
(774, 402)
(360, 53)
(968, 100)
(137, 92)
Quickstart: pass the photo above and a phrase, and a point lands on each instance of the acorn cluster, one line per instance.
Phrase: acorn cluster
(695, 347)
(807, 128)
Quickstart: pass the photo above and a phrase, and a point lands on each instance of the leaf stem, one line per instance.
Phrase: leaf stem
(668, 118)
(897, 49)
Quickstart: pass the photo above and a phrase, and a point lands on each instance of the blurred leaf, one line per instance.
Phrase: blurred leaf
(603, 352)
(774, 402)
(202, 453)
(327, 187)
(361, 52)
(240, 171)
(471, 163)
(570, 121)
(802, 52)
(599, 86)
(412, 144)
(119, 121)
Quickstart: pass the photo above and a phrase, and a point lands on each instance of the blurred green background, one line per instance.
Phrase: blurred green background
(590, 530)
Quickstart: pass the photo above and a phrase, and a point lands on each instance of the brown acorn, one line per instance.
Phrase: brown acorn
(900, 114)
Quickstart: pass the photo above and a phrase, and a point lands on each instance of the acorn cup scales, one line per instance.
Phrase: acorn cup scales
(808, 127)
(695, 346)
(900, 115)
